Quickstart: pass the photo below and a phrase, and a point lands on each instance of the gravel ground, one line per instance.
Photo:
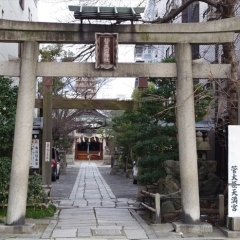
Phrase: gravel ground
(121, 186)
(62, 188)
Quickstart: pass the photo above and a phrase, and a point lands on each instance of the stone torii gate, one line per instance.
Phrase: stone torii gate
(181, 35)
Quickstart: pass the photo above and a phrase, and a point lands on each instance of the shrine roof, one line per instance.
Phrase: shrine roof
(107, 13)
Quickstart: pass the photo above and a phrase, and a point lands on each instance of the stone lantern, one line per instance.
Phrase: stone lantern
(202, 145)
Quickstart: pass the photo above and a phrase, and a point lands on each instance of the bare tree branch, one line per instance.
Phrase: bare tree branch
(173, 14)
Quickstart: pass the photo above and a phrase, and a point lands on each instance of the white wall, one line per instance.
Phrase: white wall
(202, 8)
(161, 8)
(11, 9)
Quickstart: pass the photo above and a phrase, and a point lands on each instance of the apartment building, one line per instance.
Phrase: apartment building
(19, 10)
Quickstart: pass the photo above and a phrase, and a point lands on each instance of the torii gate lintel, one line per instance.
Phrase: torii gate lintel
(183, 35)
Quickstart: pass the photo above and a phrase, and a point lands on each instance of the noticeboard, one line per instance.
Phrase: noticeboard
(35, 157)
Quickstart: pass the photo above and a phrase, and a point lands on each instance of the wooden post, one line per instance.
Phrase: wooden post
(150, 205)
(158, 208)
(221, 210)
(47, 131)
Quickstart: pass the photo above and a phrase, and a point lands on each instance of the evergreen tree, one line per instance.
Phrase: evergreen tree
(8, 105)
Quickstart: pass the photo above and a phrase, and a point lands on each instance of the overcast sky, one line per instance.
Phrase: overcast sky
(51, 12)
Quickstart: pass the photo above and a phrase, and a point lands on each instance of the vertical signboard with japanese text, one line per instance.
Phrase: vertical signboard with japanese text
(34, 161)
(106, 50)
(233, 170)
(47, 152)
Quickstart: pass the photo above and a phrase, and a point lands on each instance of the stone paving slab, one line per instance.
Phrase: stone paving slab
(109, 200)
(47, 233)
(112, 205)
(65, 224)
(80, 205)
(78, 221)
(84, 232)
(66, 202)
(110, 212)
(76, 217)
(79, 195)
(135, 233)
(80, 201)
(23, 237)
(91, 196)
(101, 224)
(129, 223)
(107, 218)
(76, 226)
(107, 232)
(77, 211)
(59, 233)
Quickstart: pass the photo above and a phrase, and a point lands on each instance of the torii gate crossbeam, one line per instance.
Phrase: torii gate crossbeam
(182, 35)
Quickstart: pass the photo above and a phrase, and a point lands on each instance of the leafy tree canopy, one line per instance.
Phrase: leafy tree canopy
(8, 105)
(149, 134)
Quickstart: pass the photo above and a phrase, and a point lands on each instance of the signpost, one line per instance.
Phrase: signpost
(47, 152)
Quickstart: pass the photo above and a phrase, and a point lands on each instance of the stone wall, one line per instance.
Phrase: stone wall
(210, 185)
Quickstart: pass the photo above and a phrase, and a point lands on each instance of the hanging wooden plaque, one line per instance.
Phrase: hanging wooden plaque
(106, 51)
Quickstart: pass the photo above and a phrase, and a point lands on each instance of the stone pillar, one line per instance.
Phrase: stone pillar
(63, 163)
(23, 136)
(187, 135)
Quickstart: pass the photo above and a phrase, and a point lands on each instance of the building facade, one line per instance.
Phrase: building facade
(19, 10)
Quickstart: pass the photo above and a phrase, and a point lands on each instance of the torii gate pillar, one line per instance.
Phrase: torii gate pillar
(17, 199)
(187, 143)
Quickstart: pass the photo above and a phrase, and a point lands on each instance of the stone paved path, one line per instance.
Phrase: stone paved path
(93, 211)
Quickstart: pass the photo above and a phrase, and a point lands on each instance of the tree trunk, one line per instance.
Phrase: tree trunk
(229, 53)
(232, 83)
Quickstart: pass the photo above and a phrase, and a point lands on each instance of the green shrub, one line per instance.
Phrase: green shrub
(5, 168)
(8, 105)
(38, 212)
(35, 190)
(35, 193)
(33, 212)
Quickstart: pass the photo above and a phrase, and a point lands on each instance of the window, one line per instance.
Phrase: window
(21, 3)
